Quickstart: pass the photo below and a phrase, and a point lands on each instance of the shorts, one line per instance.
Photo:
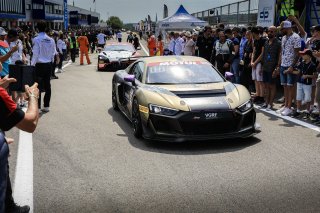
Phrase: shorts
(100, 45)
(268, 79)
(286, 79)
(256, 76)
(304, 92)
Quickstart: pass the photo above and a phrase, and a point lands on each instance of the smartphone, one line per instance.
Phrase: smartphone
(24, 74)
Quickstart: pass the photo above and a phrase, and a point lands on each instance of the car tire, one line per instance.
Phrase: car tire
(136, 119)
(114, 98)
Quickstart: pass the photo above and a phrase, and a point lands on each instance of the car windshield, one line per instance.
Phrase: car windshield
(182, 73)
(119, 48)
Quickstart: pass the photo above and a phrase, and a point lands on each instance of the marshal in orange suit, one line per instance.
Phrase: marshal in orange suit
(84, 48)
(152, 45)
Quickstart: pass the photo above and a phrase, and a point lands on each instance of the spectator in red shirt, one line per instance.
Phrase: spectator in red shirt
(11, 116)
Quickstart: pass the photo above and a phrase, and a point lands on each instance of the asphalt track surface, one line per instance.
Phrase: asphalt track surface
(86, 159)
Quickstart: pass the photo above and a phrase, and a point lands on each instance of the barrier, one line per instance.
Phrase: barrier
(242, 13)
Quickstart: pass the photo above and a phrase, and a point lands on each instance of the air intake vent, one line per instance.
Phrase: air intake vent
(200, 93)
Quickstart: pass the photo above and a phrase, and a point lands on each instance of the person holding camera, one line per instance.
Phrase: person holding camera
(5, 52)
(17, 57)
(12, 116)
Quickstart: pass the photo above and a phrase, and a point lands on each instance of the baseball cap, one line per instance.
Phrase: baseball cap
(3, 31)
(306, 52)
(188, 34)
(286, 25)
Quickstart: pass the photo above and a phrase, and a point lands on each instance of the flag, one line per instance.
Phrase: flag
(165, 11)
(94, 1)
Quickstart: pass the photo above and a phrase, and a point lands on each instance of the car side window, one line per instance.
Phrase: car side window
(138, 70)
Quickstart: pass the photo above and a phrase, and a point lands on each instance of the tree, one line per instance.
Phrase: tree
(115, 22)
(101, 21)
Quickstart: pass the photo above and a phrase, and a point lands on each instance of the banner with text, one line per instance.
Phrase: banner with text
(266, 13)
(65, 15)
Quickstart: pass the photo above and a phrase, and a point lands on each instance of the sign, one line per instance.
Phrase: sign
(65, 15)
(266, 13)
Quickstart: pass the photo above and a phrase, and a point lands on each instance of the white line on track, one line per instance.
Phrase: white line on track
(292, 120)
(23, 184)
(144, 49)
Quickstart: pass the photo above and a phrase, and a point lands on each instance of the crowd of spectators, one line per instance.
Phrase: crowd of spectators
(270, 62)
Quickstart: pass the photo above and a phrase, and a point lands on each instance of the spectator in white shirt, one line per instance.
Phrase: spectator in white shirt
(44, 50)
(190, 45)
(176, 44)
(16, 57)
(62, 48)
(119, 36)
(101, 39)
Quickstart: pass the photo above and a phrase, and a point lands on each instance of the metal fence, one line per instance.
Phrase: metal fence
(241, 13)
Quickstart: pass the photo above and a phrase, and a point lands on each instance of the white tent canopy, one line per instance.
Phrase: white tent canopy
(181, 20)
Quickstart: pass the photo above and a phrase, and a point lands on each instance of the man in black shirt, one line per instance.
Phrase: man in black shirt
(205, 43)
(271, 64)
(256, 65)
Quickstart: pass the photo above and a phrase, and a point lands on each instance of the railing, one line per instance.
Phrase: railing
(241, 13)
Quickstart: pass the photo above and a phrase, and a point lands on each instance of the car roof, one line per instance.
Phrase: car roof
(160, 59)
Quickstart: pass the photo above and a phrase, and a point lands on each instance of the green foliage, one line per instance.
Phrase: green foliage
(115, 22)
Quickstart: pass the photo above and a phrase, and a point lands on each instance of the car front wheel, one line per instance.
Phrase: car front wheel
(136, 119)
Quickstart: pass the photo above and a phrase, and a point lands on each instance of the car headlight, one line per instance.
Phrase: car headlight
(102, 57)
(246, 106)
(162, 110)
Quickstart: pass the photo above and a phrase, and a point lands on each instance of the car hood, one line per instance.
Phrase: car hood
(197, 97)
(116, 54)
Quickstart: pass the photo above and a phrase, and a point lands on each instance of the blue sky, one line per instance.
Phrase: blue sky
(131, 11)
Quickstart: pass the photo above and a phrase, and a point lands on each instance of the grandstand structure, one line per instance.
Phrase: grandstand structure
(245, 12)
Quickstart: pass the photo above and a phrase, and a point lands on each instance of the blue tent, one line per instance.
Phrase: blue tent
(181, 20)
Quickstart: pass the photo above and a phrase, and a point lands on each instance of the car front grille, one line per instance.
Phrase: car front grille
(226, 122)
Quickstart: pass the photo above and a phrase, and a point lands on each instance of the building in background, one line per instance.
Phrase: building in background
(11, 12)
(79, 17)
(14, 13)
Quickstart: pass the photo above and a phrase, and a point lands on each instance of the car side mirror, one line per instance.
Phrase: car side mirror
(130, 78)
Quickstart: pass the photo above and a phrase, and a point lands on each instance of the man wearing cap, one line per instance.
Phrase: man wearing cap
(5, 53)
(189, 48)
(290, 47)
(44, 51)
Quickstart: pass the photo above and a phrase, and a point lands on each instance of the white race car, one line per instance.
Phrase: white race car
(117, 56)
